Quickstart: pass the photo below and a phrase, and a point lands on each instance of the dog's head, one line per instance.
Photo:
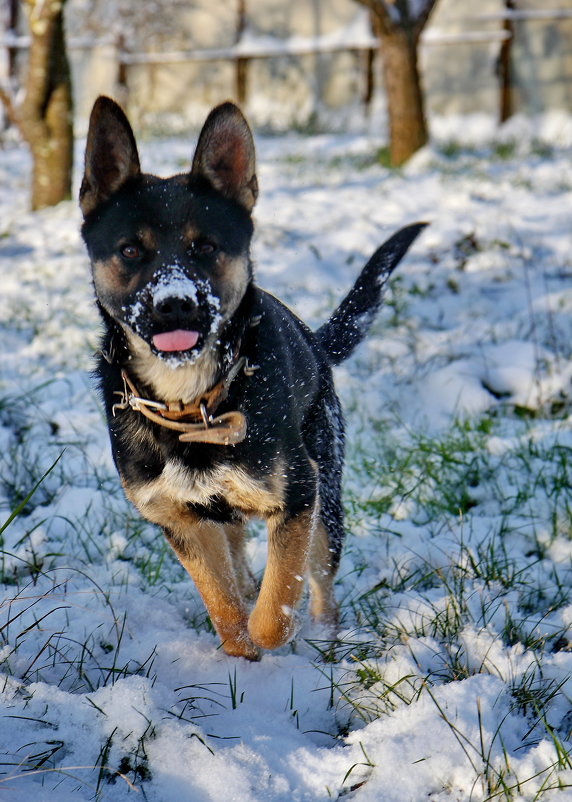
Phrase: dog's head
(170, 256)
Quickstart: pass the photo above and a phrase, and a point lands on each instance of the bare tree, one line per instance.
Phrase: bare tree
(398, 25)
(504, 65)
(44, 115)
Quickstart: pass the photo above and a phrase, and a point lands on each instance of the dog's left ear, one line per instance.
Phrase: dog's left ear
(225, 155)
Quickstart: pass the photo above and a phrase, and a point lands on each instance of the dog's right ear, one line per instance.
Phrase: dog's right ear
(110, 156)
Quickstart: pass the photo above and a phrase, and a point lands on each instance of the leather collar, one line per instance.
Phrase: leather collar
(196, 421)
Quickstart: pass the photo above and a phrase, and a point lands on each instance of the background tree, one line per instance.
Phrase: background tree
(504, 66)
(397, 25)
(45, 115)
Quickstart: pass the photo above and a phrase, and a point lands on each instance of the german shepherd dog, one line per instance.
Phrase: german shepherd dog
(220, 401)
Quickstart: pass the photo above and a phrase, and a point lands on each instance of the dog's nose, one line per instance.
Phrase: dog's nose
(173, 311)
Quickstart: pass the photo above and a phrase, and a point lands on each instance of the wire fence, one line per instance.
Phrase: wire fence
(120, 60)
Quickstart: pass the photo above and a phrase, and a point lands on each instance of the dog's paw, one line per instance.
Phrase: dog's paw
(241, 647)
(270, 629)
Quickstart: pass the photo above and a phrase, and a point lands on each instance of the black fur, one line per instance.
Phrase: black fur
(349, 324)
(140, 231)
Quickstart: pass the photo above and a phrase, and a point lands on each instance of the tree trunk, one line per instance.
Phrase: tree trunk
(369, 82)
(397, 25)
(241, 65)
(405, 106)
(45, 117)
(504, 68)
(12, 16)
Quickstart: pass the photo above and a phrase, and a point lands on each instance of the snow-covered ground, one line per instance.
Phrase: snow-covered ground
(450, 679)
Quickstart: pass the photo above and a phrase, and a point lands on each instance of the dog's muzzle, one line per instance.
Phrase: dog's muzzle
(175, 314)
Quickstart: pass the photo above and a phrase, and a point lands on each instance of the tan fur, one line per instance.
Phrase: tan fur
(232, 281)
(206, 553)
(110, 279)
(206, 556)
(323, 606)
(147, 237)
(236, 536)
(133, 292)
(214, 555)
(185, 383)
(272, 622)
(178, 485)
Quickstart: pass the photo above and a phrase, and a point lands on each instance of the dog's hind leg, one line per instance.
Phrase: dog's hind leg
(327, 444)
(206, 555)
(321, 574)
(327, 544)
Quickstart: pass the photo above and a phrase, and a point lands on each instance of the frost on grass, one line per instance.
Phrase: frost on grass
(450, 679)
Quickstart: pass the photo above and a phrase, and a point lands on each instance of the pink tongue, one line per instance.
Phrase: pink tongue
(178, 340)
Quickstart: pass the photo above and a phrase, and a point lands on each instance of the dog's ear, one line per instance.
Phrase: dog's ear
(225, 155)
(110, 156)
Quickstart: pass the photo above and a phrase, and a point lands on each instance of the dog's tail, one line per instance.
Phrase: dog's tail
(350, 323)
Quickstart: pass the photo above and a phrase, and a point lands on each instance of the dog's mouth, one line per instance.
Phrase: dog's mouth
(181, 345)
(175, 315)
(175, 341)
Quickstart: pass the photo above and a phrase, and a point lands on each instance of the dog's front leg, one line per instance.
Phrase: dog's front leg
(205, 554)
(235, 534)
(272, 622)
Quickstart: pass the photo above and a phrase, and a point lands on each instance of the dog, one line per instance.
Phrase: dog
(220, 401)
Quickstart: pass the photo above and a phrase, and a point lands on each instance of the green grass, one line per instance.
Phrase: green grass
(508, 479)
(495, 494)
(451, 473)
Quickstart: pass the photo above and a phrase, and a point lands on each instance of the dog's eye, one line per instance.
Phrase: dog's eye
(202, 247)
(130, 251)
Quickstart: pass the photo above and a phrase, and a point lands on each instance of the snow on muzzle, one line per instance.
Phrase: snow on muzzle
(174, 313)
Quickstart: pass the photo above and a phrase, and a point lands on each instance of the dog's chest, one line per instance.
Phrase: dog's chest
(180, 486)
